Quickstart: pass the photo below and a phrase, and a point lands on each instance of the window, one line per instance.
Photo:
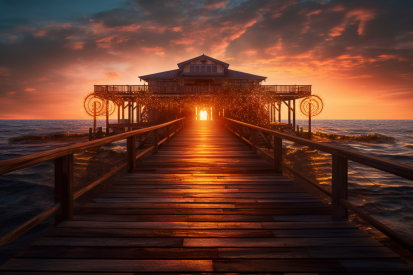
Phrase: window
(203, 68)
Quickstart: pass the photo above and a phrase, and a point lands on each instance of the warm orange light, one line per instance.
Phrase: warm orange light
(203, 115)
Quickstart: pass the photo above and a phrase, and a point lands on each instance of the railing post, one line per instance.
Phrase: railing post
(278, 154)
(155, 141)
(167, 133)
(339, 187)
(240, 132)
(131, 147)
(63, 168)
(254, 140)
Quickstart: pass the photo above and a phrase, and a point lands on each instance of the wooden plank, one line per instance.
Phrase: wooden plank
(169, 225)
(309, 252)
(159, 233)
(108, 265)
(119, 253)
(204, 204)
(285, 265)
(278, 242)
(118, 242)
(176, 218)
(377, 265)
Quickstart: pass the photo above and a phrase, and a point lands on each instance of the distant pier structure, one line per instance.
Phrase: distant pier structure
(202, 75)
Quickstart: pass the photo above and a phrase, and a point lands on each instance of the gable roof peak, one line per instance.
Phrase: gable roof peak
(180, 65)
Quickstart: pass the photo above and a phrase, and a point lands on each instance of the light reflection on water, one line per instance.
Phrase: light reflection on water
(384, 196)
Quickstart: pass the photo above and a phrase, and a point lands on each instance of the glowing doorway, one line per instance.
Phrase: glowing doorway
(203, 115)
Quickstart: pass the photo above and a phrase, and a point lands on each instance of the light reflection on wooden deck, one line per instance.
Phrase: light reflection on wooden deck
(206, 203)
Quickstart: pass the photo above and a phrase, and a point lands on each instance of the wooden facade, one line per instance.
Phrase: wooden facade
(200, 75)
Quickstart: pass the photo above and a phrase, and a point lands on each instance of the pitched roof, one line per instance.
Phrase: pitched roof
(226, 65)
(177, 74)
(237, 74)
(166, 74)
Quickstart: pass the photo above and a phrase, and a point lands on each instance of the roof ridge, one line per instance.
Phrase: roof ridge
(226, 65)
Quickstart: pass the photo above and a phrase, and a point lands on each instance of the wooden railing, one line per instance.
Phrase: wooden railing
(63, 162)
(294, 90)
(340, 157)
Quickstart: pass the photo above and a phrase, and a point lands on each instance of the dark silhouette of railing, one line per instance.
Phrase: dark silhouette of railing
(63, 162)
(294, 90)
(340, 158)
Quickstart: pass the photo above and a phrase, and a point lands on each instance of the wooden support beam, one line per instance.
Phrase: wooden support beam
(278, 147)
(155, 141)
(265, 137)
(339, 187)
(107, 117)
(270, 111)
(129, 115)
(123, 110)
(279, 111)
(63, 186)
(254, 140)
(289, 111)
(131, 147)
(293, 113)
(118, 113)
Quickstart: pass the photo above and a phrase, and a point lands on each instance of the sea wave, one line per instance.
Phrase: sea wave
(365, 138)
(59, 136)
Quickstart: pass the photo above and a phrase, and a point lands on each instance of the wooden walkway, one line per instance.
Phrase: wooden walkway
(206, 204)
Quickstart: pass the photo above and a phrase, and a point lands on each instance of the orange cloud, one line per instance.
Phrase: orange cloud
(362, 16)
(4, 72)
(43, 78)
(216, 5)
(111, 75)
(40, 33)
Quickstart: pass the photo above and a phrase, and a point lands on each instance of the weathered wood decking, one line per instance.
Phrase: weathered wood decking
(205, 203)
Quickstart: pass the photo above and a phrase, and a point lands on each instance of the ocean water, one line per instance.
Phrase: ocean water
(27, 192)
(386, 197)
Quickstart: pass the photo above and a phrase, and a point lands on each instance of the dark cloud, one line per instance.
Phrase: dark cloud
(370, 40)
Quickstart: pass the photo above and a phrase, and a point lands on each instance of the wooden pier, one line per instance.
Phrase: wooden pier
(205, 203)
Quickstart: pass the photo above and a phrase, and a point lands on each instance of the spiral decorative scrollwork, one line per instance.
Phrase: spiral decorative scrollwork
(112, 107)
(96, 106)
(312, 105)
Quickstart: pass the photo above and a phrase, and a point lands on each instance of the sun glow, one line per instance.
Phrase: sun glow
(203, 115)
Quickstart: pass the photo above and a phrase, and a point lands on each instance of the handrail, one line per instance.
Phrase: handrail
(18, 231)
(64, 195)
(392, 167)
(340, 156)
(10, 165)
(298, 90)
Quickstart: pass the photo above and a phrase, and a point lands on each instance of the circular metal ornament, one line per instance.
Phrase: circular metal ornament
(313, 101)
(90, 102)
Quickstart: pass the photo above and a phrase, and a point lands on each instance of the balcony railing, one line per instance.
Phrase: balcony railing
(286, 90)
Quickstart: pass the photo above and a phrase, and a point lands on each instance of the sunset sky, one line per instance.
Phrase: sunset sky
(357, 54)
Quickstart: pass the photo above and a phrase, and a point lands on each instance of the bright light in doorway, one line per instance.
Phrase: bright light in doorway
(203, 115)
